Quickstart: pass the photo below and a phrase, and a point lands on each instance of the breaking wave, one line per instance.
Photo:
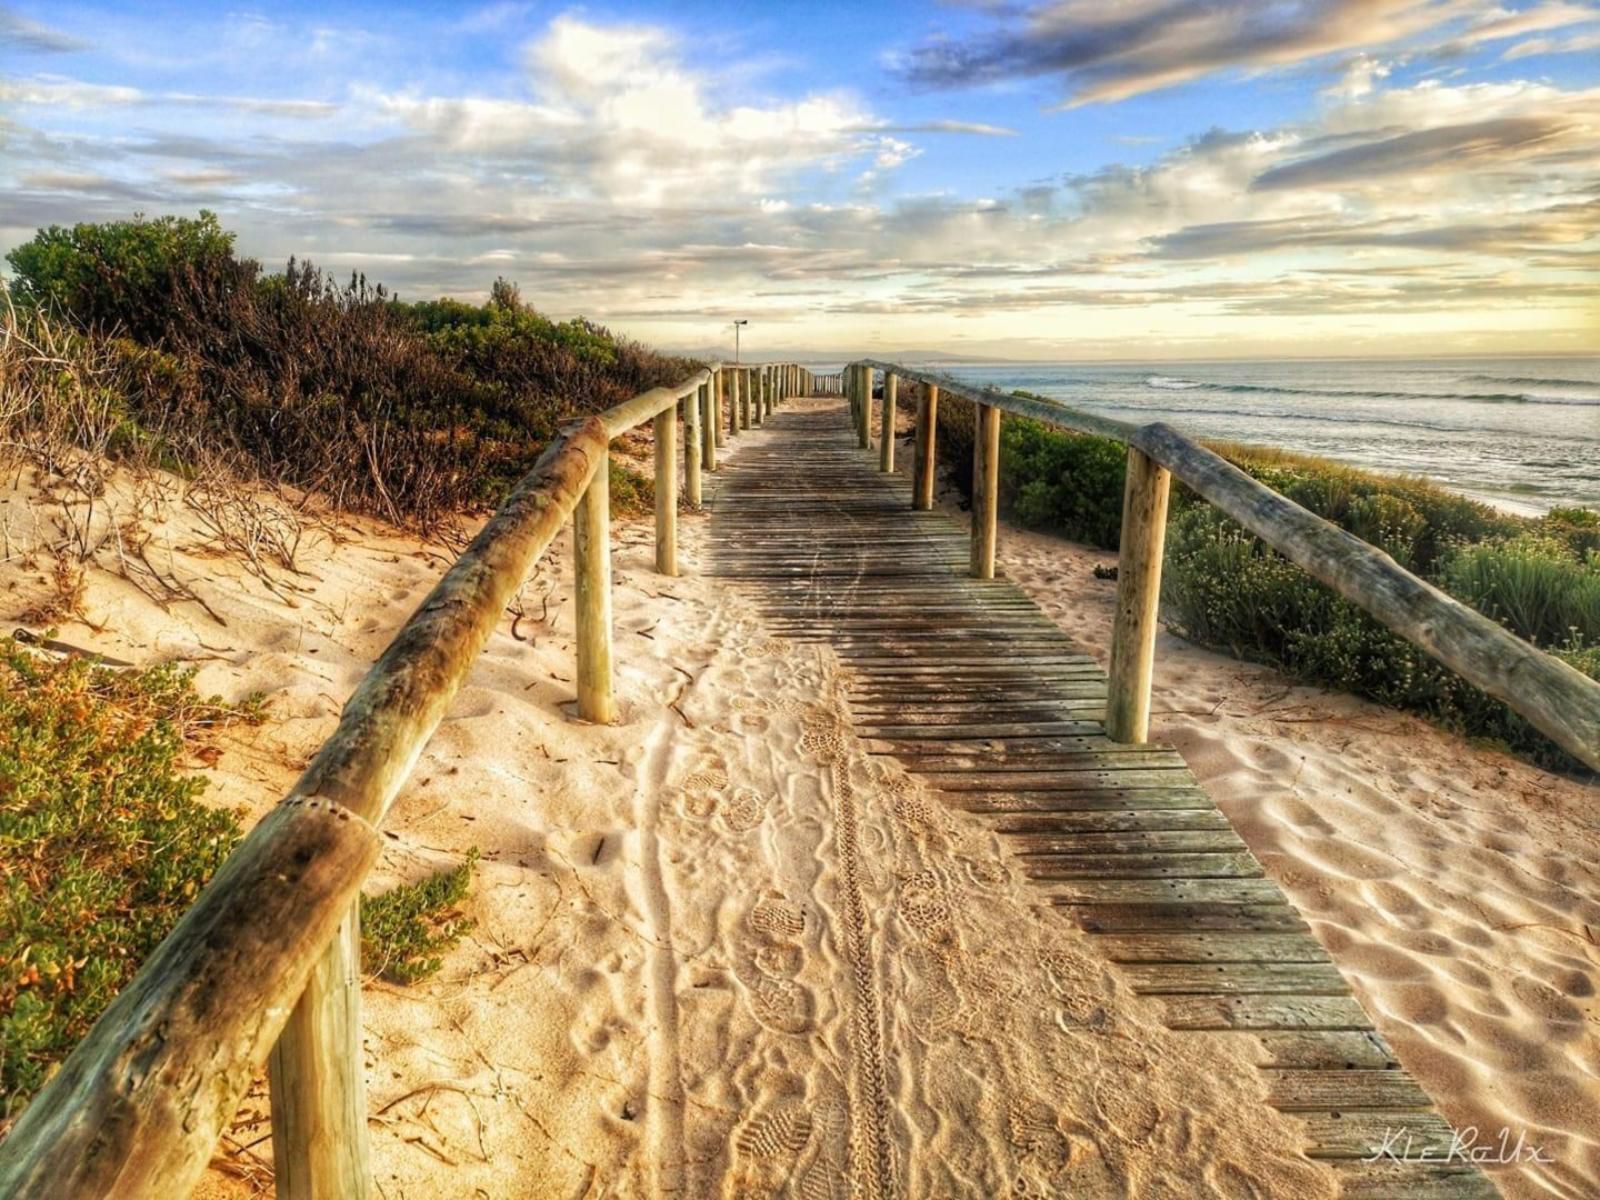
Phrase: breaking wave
(1171, 383)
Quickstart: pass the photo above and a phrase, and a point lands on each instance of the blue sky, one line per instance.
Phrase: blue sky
(1156, 178)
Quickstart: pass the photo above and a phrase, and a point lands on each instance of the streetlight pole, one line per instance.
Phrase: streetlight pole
(737, 325)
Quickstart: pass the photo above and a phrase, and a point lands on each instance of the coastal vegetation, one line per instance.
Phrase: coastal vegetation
(175, 349)
(104, 841)
(1224, 588)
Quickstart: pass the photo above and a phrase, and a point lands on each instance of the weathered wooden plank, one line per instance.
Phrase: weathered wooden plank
(1212, 947)
(1135, 821)
(1118, 842)
(1343, 1091)
(1264, 1012)
(1363, 1135)
(1323, 1049)
(974, 728)
(1412, 1181)
(1235, 979)
(1184, 918)
(1168, 891)
(1087, 800)
(1140, 866)
(1064, 779)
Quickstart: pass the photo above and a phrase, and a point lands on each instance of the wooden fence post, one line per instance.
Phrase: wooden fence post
(758, 397)
(591, 537)
(719, 386)
(711, 406)
(985, 489)
(925, 471)
(666, 431)
(1133, 630)
(318, 1082)
(891, 388)
(693, 409)
(864, 412)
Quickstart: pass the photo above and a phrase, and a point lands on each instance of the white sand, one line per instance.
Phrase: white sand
(719, 950)
(1458, 889)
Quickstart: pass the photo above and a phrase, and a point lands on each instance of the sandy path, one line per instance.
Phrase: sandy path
(720, 950)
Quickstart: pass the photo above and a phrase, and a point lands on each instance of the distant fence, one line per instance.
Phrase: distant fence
(266, 964)
(1558, 700)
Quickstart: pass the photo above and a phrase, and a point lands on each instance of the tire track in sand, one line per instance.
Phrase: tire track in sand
(871, 1160)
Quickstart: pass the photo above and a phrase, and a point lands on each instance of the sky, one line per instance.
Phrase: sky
(1079, 179)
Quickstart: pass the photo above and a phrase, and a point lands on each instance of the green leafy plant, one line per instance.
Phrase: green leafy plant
(103, 841)
(406, 931)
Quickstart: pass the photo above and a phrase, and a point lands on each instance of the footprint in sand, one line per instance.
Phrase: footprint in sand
(700, 792)
(783, 1005)
(822, 737)
(697, 804)
(769, 648)
(766, 1150)
(752, 714)
(932, 1001)
(778, 918)
(743, 810)
(1133, 1116)
(775, 959)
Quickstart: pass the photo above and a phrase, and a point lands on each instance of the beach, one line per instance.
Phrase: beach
(675, 916)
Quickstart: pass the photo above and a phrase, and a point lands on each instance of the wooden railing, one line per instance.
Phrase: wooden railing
(1558, 700)
(266, 962)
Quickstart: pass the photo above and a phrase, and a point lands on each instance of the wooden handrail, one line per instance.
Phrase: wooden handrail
(137, 1108)
(1556, 698)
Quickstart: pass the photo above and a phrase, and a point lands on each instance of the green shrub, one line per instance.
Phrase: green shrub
(1068, 483)
(121, 276)
(1534, 585)
(1225, 588)
(103, 841)
(405, 931)
(404, 410)
(632, 494)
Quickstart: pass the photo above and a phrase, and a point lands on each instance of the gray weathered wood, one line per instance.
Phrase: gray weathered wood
(985, 489)
(926, 467)
(1133, 630)
(864, 406)
(717, 437)
(886, 436)
(591, 538)
(318, 1085)
(666, 448)
(693, 449)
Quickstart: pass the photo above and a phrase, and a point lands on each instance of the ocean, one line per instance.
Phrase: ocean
(1520, 433)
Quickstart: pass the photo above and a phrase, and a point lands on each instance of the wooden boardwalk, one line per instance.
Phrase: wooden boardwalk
(973, 689)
